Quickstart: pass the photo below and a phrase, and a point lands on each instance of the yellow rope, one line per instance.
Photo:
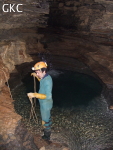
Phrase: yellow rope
(33, 105)
(34, 91)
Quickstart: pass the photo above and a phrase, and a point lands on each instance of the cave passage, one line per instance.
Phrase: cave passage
(70, 88)
(87, 125)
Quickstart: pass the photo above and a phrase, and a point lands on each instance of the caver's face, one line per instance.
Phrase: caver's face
(40, 74)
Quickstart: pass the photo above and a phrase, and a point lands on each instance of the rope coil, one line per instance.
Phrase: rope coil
(33, 105)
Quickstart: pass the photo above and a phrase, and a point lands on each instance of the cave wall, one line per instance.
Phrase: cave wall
(90, 36)
(93, 50)
(87, 36)
(89, 40)
(12, 133)
(17, 30)
(89, 15)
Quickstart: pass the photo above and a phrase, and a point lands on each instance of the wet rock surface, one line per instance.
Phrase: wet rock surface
(8, 118)
(22, 139)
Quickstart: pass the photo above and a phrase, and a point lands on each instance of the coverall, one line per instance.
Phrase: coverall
(46, 85)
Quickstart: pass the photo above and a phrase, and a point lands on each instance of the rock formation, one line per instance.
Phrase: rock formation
(75, 35)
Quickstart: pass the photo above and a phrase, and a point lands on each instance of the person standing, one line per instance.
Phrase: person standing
(44, 96)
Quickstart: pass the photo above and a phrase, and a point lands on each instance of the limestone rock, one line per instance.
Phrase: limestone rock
(23, 14)
(13, 54)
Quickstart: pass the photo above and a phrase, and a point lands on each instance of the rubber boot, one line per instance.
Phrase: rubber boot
(46, 135)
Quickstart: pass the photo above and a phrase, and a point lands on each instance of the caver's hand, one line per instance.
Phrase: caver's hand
(37, 95)
(33, 74)
(31, 95)
(111, 107)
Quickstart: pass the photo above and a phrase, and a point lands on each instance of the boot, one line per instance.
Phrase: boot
(46, 135)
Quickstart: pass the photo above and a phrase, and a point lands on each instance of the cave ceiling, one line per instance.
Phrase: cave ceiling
(65, 30)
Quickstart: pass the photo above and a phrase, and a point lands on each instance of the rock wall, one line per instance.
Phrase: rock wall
(12, 53)
(89, 40)
(23, 13)
(20, 140)
(17, 31)
(82, 14)
(87, 47)
(94, 50)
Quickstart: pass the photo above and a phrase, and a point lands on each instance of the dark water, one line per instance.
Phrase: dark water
(70, 88)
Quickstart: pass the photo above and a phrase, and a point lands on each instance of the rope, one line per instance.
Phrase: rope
(33, 105)
(32, 113)
(7, 82)
(34, 91)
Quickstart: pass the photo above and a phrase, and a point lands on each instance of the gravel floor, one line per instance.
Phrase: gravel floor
(80, 128)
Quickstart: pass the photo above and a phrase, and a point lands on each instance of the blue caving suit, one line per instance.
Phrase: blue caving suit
(46, 105)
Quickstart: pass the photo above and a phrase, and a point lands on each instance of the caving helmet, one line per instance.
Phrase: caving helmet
(39, 65)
